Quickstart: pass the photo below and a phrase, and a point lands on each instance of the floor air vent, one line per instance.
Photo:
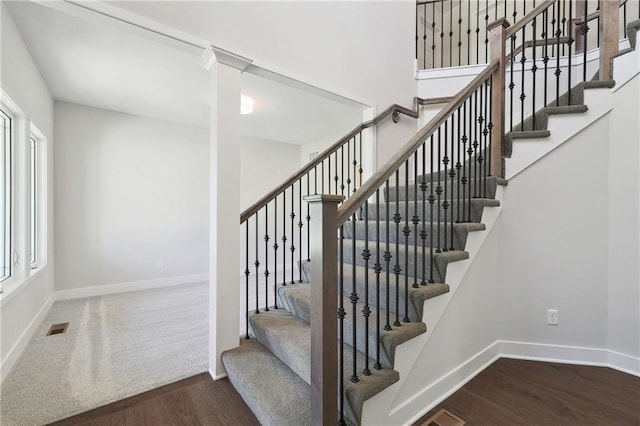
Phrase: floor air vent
(58, 328)
(444, 418)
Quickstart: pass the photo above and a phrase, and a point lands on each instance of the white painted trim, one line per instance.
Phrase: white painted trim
(213, 54)
(565, 354)
(452, 72)
(14, 353)
(102, 290)
(435, 393)
(217, 377)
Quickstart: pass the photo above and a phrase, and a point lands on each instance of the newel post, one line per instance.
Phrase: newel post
(497, 49)
(324, 307)
(608, 36)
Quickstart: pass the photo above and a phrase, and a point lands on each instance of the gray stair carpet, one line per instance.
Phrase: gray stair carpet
(271, 370)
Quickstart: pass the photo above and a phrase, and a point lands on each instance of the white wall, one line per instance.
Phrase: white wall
(23, 83)
(131, 192)
(264, 164)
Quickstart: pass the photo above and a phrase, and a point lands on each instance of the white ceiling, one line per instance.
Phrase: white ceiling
(93, 63)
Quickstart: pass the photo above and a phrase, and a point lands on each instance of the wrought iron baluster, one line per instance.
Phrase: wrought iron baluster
(415, 220)
(257, 265)
(523, 95)
(341, 315)
(569, 49)
(423, 233)
(452, 175)
(275, 251)
(396, 269)
(432, 199)
(377, 268)
(387, 254)
(445, 203)
(463, 152)
(439, 193)
(292, 247)
(354, 301)
(247, 272)
(366, 311)
(558, 71)
(349, 165)
(534, 68)
(284, 238)
(266, 257)
(407, 232)
(545, 20)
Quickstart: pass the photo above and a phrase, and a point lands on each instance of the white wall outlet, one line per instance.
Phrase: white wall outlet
(160, 264)
(552, 316)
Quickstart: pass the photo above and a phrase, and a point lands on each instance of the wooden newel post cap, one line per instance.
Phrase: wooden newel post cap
(502, 22)
(324, 198)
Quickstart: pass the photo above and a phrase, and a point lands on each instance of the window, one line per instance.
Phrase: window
(5, 195)
(23, 199)
(33, 197)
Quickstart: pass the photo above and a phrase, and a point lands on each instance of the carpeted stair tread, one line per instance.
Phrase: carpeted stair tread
(415, 208)
(286, 336)
(290, 294)
(529, 134)
(389, 339)
(412, 256)
(276, 395)
(460, 231)
(289, 339)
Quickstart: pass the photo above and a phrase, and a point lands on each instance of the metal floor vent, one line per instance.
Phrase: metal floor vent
(58, 328)
(444, 418)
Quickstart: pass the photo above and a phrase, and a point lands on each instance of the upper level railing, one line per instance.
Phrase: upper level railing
(452, 33)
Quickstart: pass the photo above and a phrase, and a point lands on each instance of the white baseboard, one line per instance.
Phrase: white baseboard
(218, 377)
(570, 355)
(102, 290)
(12, 356)
(432, 395)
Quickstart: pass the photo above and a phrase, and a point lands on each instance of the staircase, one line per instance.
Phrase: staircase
(393, 255)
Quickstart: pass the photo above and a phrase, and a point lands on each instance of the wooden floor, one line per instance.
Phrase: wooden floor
(194, 401)
(509, 392)
(515, 392)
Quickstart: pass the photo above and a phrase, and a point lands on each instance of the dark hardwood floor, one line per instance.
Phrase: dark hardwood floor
(197, 400)
(516, 392)
(509, 392)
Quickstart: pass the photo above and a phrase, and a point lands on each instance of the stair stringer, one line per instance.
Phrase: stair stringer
(564, 127)
(378, 409)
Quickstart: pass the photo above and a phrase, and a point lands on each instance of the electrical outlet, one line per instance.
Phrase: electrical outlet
(552, 316)
(160, 264)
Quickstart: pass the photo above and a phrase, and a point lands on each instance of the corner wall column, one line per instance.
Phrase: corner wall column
(224, 205)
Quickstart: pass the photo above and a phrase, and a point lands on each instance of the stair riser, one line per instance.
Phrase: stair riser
(469, 191)
(376, 287)
(413, 266)
(396, 233)
(415, 208)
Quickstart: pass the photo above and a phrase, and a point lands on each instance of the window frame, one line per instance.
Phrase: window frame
(22, 269)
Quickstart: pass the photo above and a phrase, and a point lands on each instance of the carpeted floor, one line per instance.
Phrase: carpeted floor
(115, 346)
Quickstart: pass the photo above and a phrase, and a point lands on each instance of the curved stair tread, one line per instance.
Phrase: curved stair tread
(262, 380)
(289, 339)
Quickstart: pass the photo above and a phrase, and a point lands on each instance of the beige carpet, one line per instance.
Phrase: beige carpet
(115, 346)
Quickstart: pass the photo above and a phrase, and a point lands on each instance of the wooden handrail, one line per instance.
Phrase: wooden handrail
(353, 203)
(594, 15)
(528, 18)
